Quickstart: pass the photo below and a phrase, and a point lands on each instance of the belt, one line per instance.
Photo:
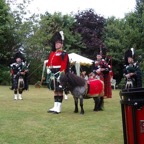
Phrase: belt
(54, 67)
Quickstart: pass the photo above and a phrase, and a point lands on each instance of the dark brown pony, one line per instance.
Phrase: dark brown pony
(82, 89)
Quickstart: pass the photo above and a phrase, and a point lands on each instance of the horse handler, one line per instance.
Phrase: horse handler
(58, 62)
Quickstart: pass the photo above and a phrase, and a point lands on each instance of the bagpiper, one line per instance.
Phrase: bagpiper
(18, 71)
(102, 71)
(131, 71)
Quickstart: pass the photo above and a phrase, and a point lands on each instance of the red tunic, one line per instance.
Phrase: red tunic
(55, 60)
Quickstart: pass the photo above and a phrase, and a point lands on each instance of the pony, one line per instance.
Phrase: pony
(82, 89)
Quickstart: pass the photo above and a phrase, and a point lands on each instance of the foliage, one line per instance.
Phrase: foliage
(6, 32)
(35, 71)
(5, 78)
(123, 34)
(49, 24)
(85, 33)
(116, 42)
(121, 85)
(12, 29)
(91, 27)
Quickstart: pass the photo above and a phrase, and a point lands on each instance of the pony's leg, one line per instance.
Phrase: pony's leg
(76, 105)
(101, 104)
(96, 101)
(15, 94)
(81, 105)
(66, 92)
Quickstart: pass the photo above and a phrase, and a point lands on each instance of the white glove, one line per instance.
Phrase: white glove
(48, 71)
(98, 71)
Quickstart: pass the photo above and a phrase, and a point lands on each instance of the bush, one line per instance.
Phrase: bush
(5, 78)
(121, 85)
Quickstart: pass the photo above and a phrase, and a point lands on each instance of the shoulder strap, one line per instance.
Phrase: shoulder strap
(68, 62)
(63, 54)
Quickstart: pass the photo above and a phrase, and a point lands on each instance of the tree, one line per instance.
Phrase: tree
(6, 32)
(123, 34)
(116, 41)
(11, 29)
(48, 25)
(91, 28)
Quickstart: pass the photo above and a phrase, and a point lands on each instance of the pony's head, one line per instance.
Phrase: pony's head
(63, 80)
(71, 81)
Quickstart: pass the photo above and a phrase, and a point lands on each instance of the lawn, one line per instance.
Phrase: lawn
(27, 121)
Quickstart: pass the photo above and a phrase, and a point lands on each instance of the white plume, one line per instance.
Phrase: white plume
(132, 49)
(62, 34)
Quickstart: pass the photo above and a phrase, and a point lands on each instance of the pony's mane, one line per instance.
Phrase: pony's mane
(75, 80)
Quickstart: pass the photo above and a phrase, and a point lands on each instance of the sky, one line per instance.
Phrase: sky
(106, 8)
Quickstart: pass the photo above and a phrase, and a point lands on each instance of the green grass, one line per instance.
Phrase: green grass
(27, 121)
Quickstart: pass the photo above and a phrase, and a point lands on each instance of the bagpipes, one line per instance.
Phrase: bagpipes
(19, 67)
(105, 63)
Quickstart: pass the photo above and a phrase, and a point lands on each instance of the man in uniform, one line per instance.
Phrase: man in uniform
(58, 62)
(101, 70)
(132, 72)
(19, 54)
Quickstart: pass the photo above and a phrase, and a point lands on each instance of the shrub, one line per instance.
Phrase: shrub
(5, 78)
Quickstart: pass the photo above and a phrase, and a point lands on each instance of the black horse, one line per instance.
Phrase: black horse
(82, 89)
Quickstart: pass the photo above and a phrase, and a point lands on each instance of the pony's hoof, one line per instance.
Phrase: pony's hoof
(101, 109)
(75, 111)
(95, 110)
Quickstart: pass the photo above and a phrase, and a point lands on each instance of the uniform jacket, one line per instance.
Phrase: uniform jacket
(58, 59)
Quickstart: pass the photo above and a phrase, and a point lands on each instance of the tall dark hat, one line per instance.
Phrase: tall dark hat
(58, 36)
(129, 53)
(18, 54)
